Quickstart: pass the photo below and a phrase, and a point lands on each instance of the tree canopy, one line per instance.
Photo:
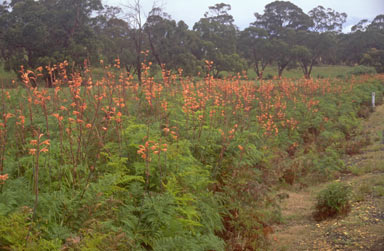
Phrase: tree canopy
(37, 33)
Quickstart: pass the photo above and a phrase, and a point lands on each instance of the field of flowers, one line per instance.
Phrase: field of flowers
(112, 164)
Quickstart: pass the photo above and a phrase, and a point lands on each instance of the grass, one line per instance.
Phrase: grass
(6, 77)
(323, 71)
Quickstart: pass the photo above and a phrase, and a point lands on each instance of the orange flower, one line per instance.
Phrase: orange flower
(45, 142)
(4, 177)
(32, 151)
(44, 150)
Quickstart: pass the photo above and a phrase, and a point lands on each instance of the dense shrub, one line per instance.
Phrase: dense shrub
(169, 164)
(361, 70)
(333, 200)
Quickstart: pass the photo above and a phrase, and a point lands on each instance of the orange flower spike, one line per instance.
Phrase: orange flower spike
(44, 150)
(22, 119)
(45, 142)
(32, 151)
(4, 177)
(8, 116)
(33, 142)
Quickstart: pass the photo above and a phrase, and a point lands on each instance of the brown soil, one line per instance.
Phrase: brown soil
(363, 227)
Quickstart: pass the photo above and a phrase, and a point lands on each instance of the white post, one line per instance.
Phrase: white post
(373, 100)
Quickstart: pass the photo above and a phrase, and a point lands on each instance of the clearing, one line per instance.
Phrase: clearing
(363, 227)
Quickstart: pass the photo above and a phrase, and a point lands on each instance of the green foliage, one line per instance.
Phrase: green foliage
(333, 200)
(171, 163)
(18, 232)
(361, 70)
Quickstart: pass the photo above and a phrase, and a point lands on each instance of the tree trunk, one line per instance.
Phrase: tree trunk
(138, 42)
(257, 70)
(153, 49)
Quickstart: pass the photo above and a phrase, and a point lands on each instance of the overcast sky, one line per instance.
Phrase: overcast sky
(190, 11)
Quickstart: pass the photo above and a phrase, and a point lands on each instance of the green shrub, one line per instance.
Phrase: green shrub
(333, 200)
(18, 232)
(361, 70)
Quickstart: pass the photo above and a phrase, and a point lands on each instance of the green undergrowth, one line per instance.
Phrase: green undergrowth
(334, 200)
(166, 166)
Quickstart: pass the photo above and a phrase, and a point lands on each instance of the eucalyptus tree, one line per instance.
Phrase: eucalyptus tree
(311, 48)
(327, 20)
(4, 14)
(171, 43)
(360, 26)
(282, 20)
(135, 17)
(280, 16)
(255, 47)
(377, 23)
(319, 41)
(48, 31)
(114, 35)
(365, 44)
(218, 36)
(374, 54)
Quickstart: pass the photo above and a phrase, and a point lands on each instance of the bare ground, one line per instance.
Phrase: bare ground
(363, 227)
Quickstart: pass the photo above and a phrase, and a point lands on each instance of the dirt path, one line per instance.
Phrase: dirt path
(363, 227)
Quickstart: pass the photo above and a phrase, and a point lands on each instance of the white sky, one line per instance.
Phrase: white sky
(190, 11)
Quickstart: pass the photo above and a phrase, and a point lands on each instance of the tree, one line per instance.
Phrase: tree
(374, 54)
(311, 47)
(283, 55)
(360, 26)
(40, 33)
(218, 35)
(256, 48)
(159, 29)
(171, 44)
(365, 46)
(135, 18)
(282, 15)
(327, 20)
(114, 34)
(4, 14)
(318, 41)
(377, 23)
(375, 58)
(282, 21)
